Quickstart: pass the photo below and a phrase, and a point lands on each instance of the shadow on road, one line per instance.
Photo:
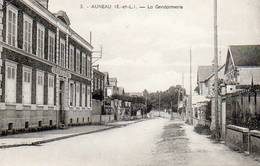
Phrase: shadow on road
(172, 148)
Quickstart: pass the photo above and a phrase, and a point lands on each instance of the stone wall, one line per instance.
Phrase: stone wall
(18, 119)
(77, 117)
(107, 118)
(255, 143)
(96, 107)
(237, 138)
(99, 119)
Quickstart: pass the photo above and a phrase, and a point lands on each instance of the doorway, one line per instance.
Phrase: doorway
(61, 102)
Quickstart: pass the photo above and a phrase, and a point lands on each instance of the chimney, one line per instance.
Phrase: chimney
(44, 3)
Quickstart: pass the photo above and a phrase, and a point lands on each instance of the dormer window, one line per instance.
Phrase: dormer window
(63, 17)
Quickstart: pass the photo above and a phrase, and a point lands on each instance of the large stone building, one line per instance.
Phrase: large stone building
(45, 68)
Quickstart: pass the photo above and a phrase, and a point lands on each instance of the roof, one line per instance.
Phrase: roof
(113, 79)
(204, 72)
(95, 71)
(62, 15)
(245, 55)
(199, 99)
(212, 74)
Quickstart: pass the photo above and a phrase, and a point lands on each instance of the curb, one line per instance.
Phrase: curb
(35, 143)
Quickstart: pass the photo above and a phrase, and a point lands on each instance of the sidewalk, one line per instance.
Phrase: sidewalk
(205, 152)
(30, 139)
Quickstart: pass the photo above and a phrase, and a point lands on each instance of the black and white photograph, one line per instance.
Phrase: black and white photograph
(129, 83)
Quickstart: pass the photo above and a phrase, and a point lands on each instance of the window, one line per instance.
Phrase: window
(27, 34)
(51, 81)
(102, 85)
(71, 58)
(51, 46)
(10, 82)
(40, 40)
(95, 88)
(27, 85)
(88, 66)
(88, 97)
(98, 84)
(83, 95)
(39, 87)
(78, 61)
(40, 79)
(62, 53)
(72, 94)
(11, 72)
(83, 70)
(77, 94)
(50, 89)
(11, 23)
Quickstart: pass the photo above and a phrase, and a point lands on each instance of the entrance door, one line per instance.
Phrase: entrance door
(10, 84)
(27, 85)
(61, 102)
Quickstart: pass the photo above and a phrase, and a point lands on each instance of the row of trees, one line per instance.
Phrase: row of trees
(168, 98)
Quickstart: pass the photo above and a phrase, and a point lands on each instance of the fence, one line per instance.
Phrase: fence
(243, 109)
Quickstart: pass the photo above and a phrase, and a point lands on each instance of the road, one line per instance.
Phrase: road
(153, 142)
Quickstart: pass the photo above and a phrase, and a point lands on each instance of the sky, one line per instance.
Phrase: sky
(149, 48)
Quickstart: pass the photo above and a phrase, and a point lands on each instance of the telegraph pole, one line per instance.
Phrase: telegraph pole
(190, 101)
(216, 68)
(159, 104)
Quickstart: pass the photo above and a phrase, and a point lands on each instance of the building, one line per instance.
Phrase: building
(202, 74)
(136, 94)
(113, 81)
(45, 68)
(106, 83)
(243, 65)
(209, 82)
(112, 88)
(98, 80)
(98, 92)
(121, 91)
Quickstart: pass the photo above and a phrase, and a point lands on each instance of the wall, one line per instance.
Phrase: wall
(19, 117)
(237, 138)
(78, 117)
(255, 143)
(99, 119)
(96, 107)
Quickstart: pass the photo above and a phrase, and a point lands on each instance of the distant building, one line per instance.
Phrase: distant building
(121, 91)
(209, 81)
(98, 80)
(112, 88)
(113, 81)
(202, 74)
(137, 94)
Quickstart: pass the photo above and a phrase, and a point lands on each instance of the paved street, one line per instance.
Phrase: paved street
(30, 138)
(148, 143)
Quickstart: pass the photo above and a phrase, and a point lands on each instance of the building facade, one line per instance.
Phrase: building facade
(98, 92)
(45, 68)
(98, 80)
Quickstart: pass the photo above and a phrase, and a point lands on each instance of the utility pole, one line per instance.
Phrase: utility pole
(159, 104)
(190, 101)
(182, 80)
(171, 111)
(216, 68)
